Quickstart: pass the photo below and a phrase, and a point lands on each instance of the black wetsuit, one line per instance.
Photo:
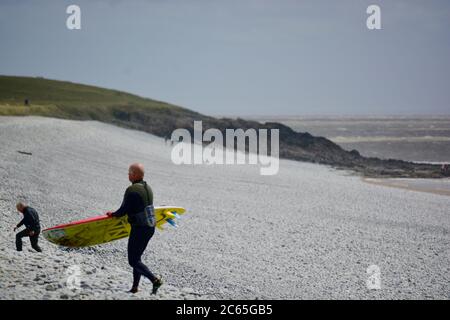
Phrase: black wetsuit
(31, 222)
(136, 198)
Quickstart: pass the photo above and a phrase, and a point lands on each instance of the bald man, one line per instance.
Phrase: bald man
(138, 205)
(32, 227)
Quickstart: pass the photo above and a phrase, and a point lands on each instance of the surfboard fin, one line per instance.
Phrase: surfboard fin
(172, 223)
(169, 215)
(176, 215)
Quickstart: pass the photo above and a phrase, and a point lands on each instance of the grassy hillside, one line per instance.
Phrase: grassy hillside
(68, 100)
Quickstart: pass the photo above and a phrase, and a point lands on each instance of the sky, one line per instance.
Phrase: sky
(242, 57)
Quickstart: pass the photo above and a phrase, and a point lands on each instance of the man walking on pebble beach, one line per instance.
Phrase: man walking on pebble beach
(138, 204)
(33, 227)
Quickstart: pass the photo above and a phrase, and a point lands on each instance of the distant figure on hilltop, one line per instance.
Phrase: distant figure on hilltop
(33, 227)
(168, 138)
(26, 102)
(445, 170)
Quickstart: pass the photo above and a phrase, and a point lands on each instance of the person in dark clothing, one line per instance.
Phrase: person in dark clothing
(32, 227)
(138, 205)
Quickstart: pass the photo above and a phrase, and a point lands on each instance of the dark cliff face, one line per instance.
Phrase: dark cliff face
(303, 146)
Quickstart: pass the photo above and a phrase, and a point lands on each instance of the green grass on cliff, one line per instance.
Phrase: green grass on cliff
(69, 100)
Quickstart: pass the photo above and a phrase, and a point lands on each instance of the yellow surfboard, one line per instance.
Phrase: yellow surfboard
(102, 229)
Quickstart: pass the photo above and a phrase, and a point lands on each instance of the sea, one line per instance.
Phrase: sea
(422, 139)
(418, 139)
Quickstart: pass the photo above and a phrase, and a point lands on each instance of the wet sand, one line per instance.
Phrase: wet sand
(436, 186)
